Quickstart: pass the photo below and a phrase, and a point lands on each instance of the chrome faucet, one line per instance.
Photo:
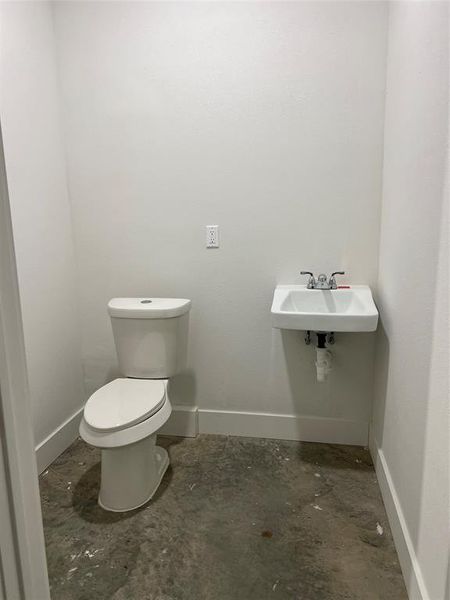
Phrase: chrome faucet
(311, 281)
(321, 283)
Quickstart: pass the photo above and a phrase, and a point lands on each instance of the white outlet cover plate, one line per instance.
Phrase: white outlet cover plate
(212, 236)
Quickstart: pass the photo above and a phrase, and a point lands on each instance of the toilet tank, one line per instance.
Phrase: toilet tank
(150, 335)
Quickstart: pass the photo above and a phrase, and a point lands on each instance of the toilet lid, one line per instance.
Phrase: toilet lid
(124, 402)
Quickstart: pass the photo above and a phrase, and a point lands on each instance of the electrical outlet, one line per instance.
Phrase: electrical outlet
(212, 236)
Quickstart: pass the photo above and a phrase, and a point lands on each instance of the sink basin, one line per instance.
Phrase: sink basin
(346, 309)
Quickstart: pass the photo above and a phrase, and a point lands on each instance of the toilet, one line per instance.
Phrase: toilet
(123, 417)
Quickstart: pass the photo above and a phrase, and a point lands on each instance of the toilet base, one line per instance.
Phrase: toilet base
(131, 474)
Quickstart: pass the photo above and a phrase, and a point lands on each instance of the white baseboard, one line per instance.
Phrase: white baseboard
(188, 421)
(283, 427)
(58, 441)
(183, 422)
(412, 574)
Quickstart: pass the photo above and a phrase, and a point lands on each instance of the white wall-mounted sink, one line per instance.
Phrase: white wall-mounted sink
(347, 309)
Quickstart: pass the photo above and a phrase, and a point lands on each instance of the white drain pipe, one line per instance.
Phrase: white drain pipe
(323, 363)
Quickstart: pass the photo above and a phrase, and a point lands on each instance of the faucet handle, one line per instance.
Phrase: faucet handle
(332, 282)
(311, 281)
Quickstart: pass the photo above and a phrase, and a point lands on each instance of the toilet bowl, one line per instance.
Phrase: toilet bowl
(123, 417)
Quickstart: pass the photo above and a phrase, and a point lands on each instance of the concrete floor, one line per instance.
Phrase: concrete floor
(234, 519)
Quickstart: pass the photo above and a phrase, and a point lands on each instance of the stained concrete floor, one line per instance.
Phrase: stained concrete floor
(234, 519)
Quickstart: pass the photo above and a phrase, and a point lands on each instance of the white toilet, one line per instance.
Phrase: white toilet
(123, 417)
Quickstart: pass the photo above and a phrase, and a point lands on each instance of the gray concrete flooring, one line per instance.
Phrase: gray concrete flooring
(234, 519)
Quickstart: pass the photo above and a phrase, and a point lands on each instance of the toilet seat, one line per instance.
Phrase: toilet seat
(123, 403)
(153, 420)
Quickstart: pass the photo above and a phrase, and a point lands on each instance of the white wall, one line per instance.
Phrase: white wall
(264, 118)
(411, 418)
(41, 217)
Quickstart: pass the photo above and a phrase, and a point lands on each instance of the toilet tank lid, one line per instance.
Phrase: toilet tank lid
(148, 307)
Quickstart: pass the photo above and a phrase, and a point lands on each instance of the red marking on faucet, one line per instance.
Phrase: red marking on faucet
(343, 287)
